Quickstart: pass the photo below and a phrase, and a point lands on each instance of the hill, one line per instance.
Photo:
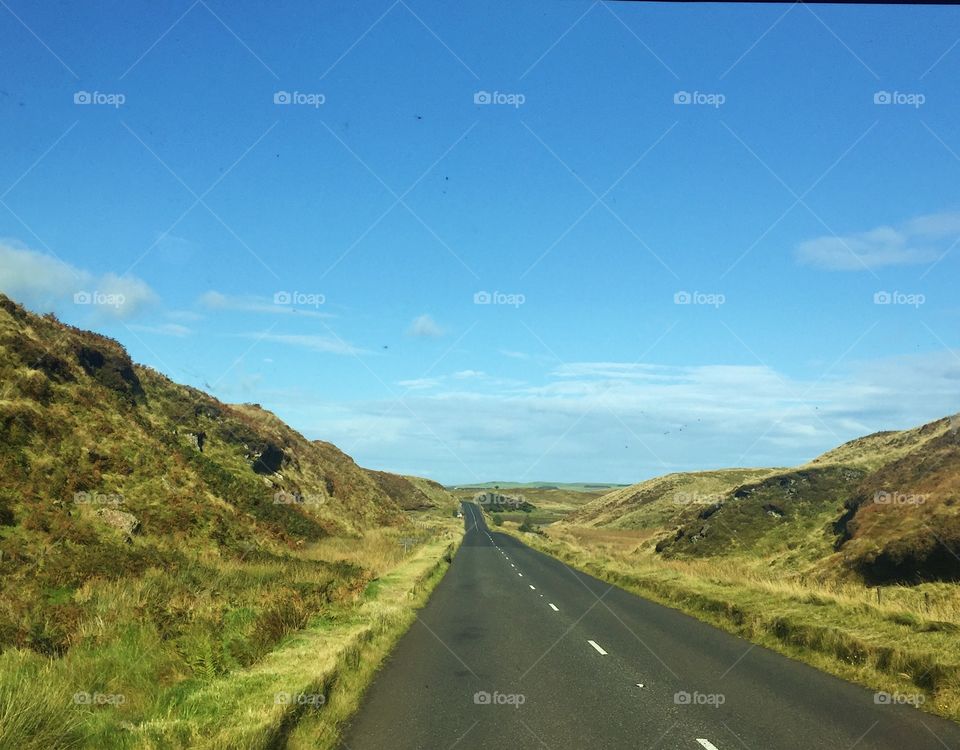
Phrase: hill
(153, 538)
(881, 507)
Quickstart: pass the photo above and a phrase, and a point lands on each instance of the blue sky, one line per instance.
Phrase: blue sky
(297, 206)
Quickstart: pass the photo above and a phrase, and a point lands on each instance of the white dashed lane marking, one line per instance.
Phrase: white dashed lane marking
(532, 587)
(601, 651)
(707, 744)
(552, 606)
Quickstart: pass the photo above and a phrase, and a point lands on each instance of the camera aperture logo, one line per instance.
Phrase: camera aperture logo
(314, 100)
(303, 299)
(496, 698)
(702, 98)
(712, 299)
(498, 298)
(99, 97)
(914, 99)
(499, 97)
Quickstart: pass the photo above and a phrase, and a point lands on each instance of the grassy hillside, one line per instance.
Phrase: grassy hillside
(881, 508)
(154, 539)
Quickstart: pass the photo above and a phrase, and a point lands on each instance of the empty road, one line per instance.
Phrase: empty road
(517, 650)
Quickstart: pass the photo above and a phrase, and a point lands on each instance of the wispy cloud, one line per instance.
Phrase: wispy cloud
(164, 329)
(619, 422)
(921, 240)
(424, 326)
(417, 384)
(45, 283)
(279, 305)
(316, 343)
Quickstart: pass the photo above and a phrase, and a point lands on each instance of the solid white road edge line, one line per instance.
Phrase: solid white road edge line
(601, 651)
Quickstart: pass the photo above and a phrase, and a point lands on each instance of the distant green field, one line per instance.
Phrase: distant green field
(570, 486)
(552, 502)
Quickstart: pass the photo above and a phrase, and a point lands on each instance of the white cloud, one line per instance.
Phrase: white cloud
(920, 240)
(47, 284)
(324, 344)
(469, 375)
(214, 300)
(164, 329)
(590, 426)
(425, 326)
(417, 384)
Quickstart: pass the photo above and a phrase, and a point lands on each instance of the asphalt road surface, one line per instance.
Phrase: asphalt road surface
(517, 650)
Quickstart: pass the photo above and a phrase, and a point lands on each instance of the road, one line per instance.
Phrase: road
(517, 650)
